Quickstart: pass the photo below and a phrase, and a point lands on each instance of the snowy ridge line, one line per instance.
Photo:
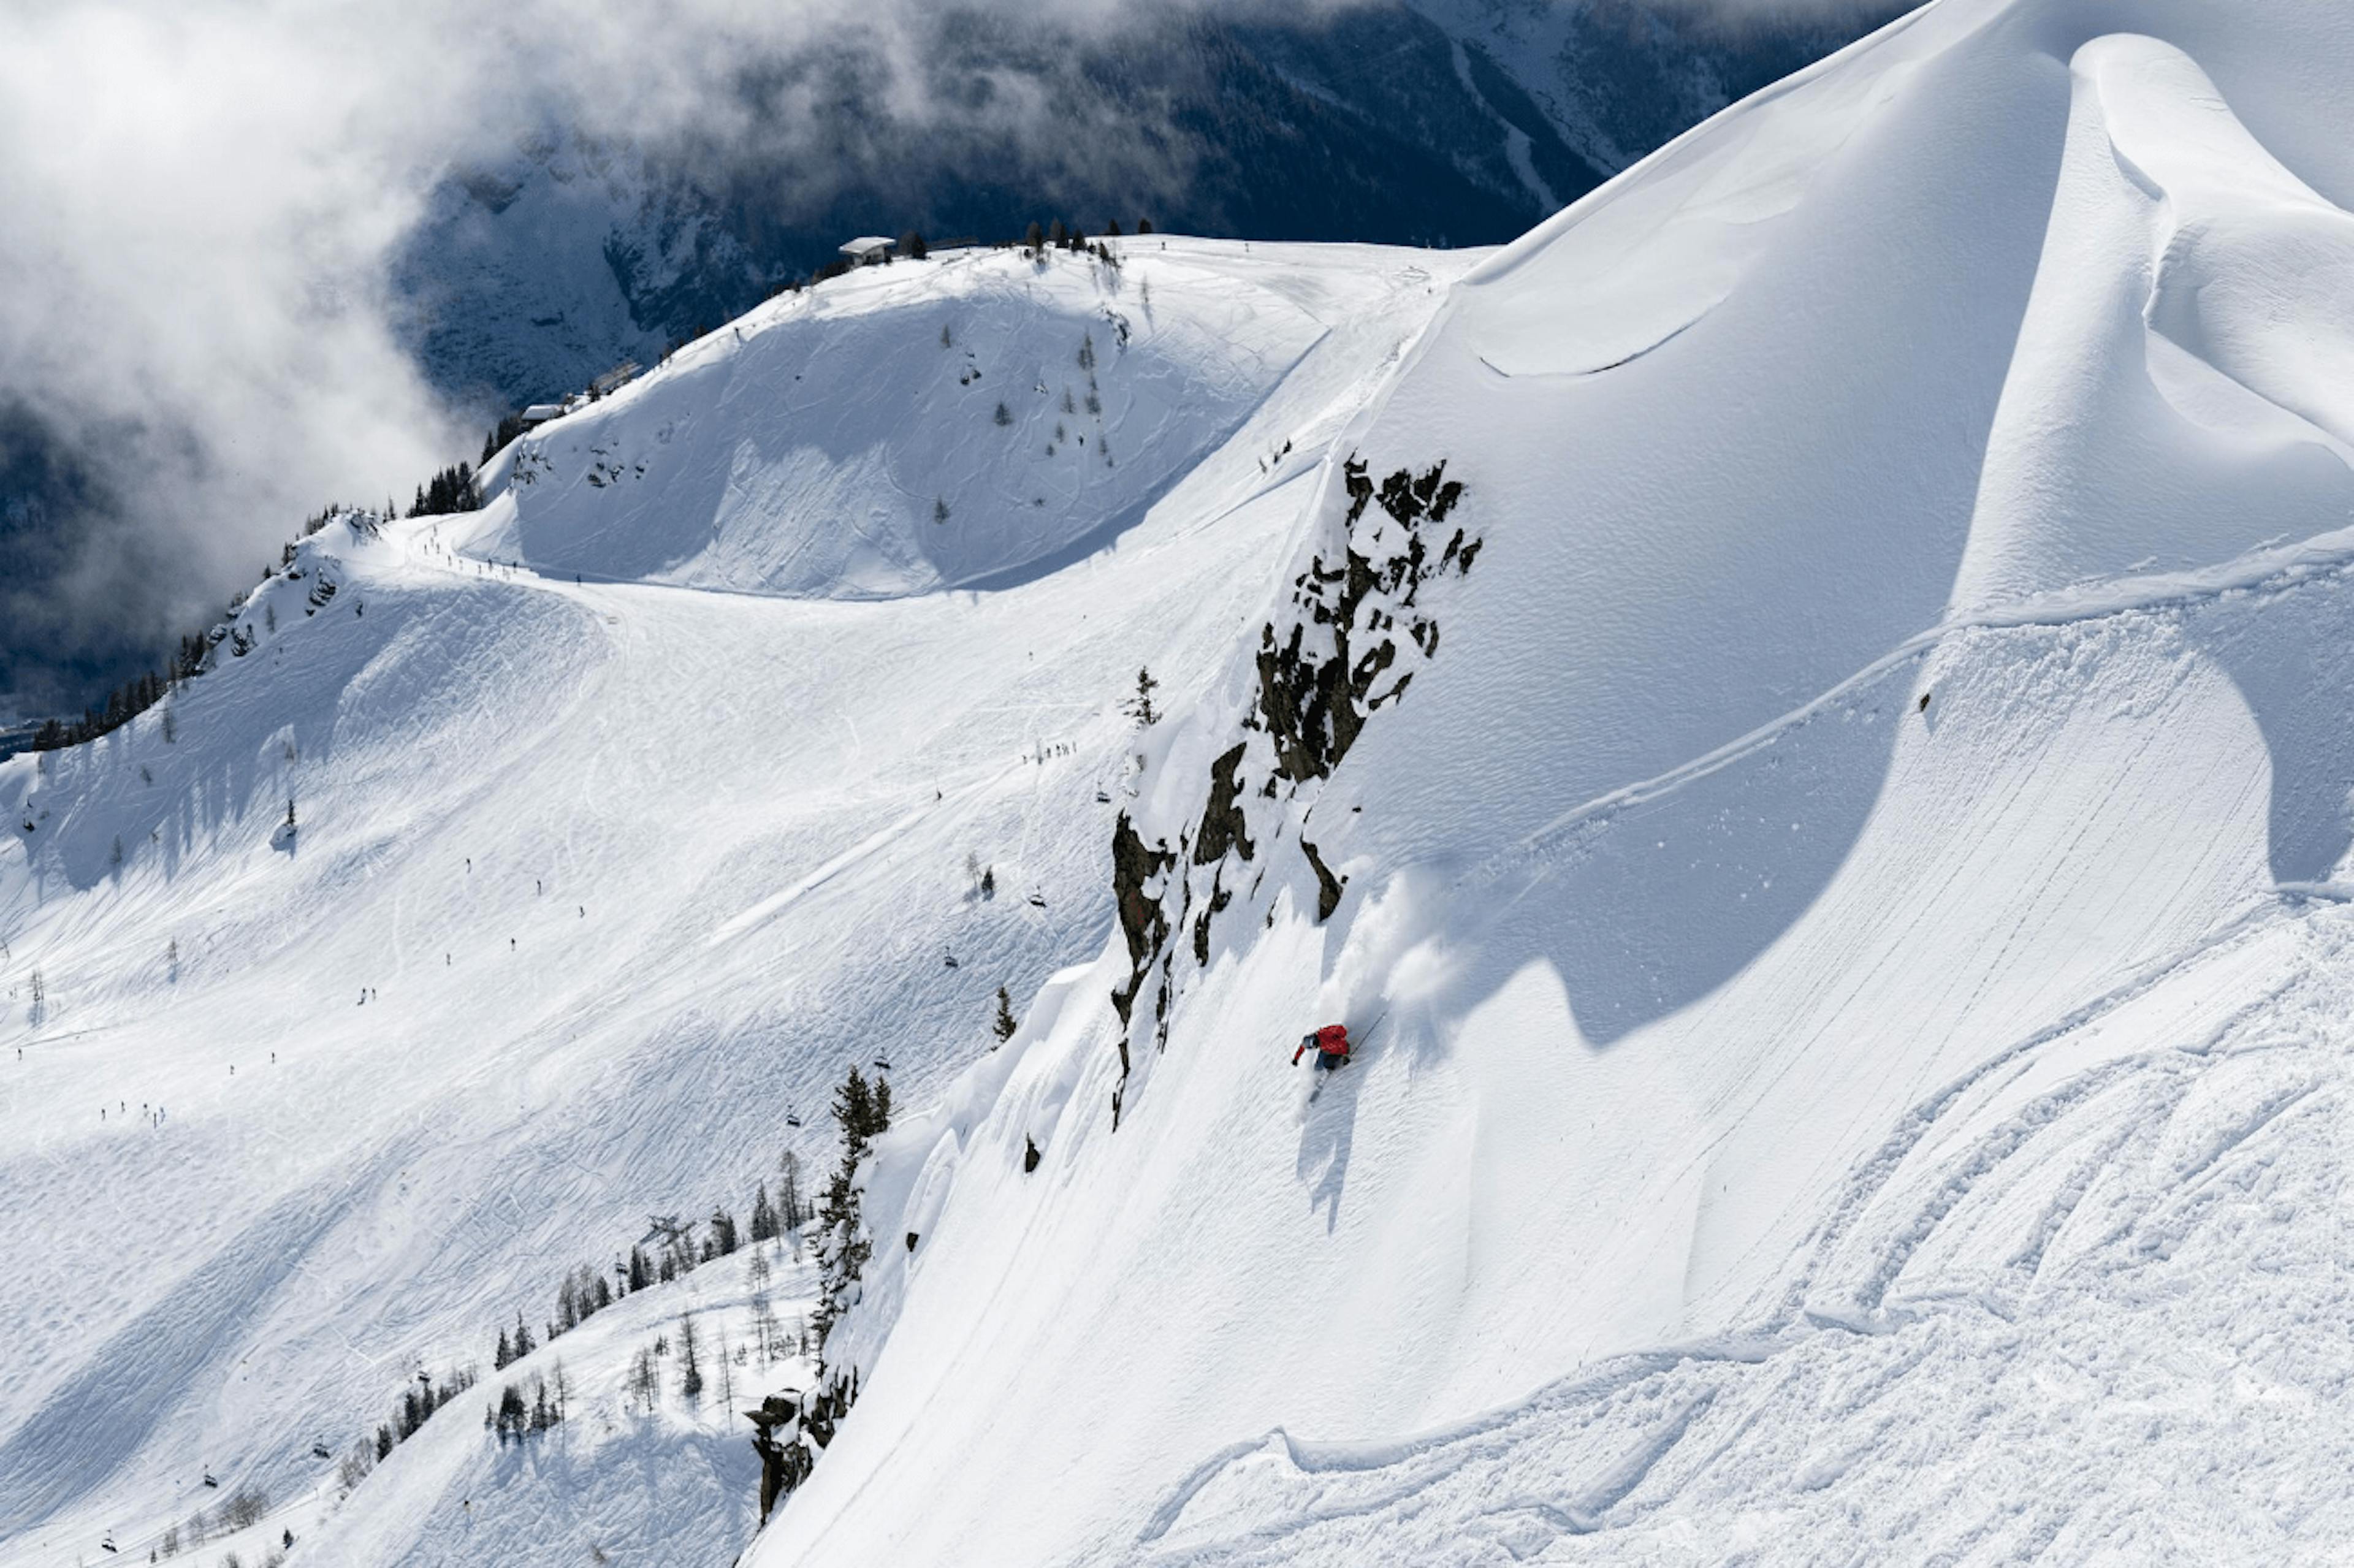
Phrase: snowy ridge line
(2277, 569)
(1533, 243)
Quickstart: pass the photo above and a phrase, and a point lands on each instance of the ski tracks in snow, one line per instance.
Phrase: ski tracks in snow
(1991, 1318)
(2327, 558)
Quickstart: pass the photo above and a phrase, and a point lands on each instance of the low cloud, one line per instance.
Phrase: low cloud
(202, 202)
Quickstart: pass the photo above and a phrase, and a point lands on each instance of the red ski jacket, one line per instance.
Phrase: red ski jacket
(1332, 1040)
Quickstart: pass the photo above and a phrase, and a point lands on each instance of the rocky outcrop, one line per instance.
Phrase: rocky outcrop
(1316, 687)
(1358, 631)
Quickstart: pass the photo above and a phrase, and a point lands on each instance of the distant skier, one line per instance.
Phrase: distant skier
(1330, 1044)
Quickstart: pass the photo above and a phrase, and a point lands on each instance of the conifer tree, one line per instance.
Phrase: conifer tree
(1003, 1026)
(843, 1248)
(690, 1377)
(764, 1218)
(792, 1211)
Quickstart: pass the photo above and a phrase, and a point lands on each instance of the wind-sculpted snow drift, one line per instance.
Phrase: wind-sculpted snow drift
(1801, 712)
(1852, 904)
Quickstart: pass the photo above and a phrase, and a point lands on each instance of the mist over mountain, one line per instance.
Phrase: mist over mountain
(131, 499)
(1445, 125)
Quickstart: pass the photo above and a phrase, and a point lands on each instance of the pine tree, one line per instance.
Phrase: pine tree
(844, 1249)
(503, 1355)
(791, 1213)
(764, 1218)
(1140, 706)
(689, 1383)
(639, 1275)
(1003, 1025)
(510, 1420)
(645, 1383)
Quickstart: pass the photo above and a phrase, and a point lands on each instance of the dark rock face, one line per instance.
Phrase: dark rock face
(1223, 825)
(1141, 920)
(1327, 886)
(1335, 665)
(790, 1431)
(1314, 702)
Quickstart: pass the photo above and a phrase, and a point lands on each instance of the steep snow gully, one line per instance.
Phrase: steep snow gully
(1810, 695)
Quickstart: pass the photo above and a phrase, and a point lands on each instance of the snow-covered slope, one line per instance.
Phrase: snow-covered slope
(928, 424)
(1801, 712)
(628, 873)
(1847, 908)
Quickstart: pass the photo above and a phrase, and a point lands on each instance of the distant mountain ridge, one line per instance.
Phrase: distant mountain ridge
(1444, 123)
(1441, 122)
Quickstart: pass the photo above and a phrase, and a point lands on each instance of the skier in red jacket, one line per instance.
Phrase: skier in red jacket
(1330, 1044)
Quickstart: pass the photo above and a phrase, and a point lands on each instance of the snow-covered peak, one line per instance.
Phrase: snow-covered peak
(928, 424)
(1799, 715)
(461, 916)
(1841, 908)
